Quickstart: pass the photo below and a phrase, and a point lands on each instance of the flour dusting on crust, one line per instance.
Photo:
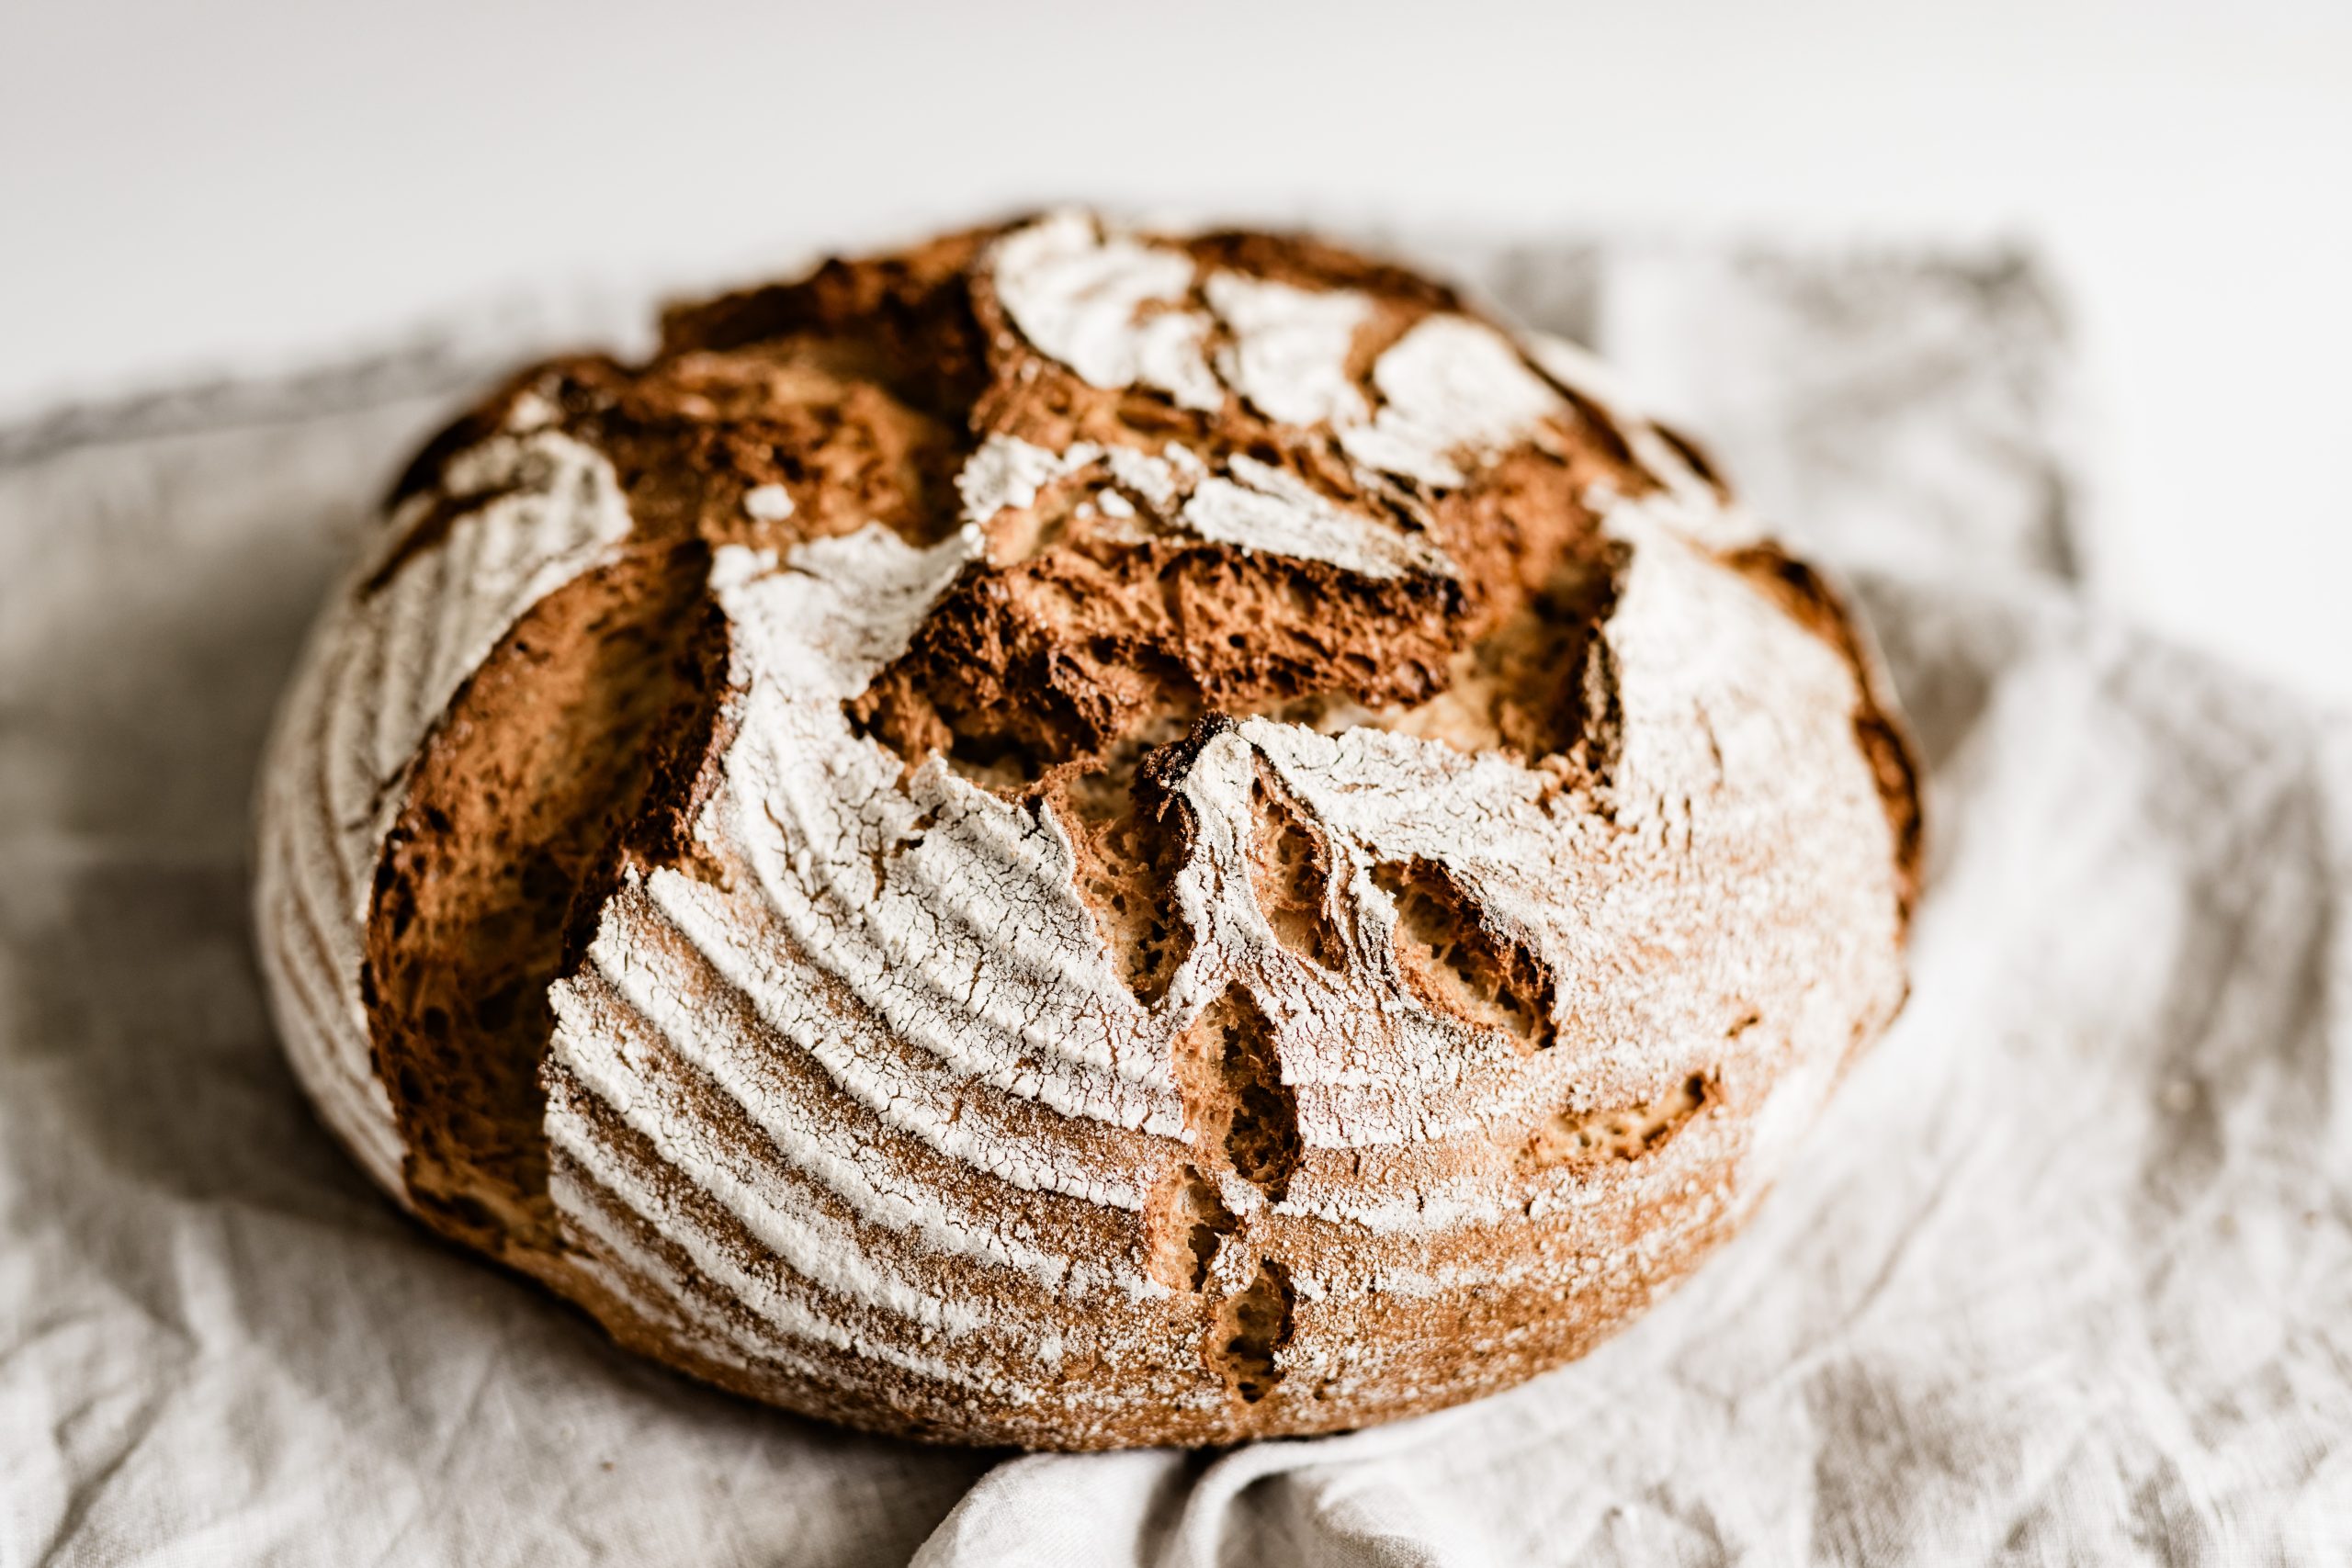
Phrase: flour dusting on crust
(535, 510)
(1330, 871)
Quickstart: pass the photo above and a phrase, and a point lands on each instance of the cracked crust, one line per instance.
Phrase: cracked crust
(1081, 838)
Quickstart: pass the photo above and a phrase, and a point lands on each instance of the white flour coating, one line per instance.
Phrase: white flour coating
(1449, 386)
(801, 1237)
(1081, 296)
(761, 1287)
(1007, 473)
(974, 943)
(1253, 506)
(380, 670)
(1289, 353)
(767, 504)
(891, 1112)
(664, 999)
(604, 1246)
(1261, 507)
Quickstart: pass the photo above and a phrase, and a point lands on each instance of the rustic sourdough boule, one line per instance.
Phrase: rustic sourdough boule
(1078, 838)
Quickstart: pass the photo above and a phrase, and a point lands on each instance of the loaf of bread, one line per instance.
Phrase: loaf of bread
(1081, 838)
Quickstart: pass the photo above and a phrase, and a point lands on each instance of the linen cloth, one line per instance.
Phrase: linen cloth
(2064, 1276)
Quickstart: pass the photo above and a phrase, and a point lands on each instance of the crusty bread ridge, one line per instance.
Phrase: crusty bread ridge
(1083, 838)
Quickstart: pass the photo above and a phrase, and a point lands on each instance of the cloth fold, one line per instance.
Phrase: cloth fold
(2065, 1274)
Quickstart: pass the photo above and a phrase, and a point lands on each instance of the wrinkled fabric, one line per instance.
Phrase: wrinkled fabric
(2063, 1276)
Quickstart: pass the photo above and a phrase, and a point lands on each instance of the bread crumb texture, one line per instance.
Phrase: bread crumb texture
(1075, 837)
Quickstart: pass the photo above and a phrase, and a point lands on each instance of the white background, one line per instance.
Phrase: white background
(189, 188)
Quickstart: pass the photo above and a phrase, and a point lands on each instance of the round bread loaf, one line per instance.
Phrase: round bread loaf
(1079, 837)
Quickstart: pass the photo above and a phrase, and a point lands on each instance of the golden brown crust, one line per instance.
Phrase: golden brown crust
(560, 754)
(1272, 938)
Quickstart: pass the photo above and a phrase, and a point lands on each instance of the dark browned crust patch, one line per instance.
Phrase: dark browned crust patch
(1623, 1133)
(1075, 634)
(573, 746)
(1068, 652)
(911, 313)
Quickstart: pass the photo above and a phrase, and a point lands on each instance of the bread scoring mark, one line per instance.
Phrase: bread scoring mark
(1238, 1110)
(1085, 621)
(1544, 681)
(381, 667)
(1102, 632)
(1253, 1327)
(1186, 1223)
(554, 510)
(1624, 1133)
(1129, 852)
(1291, 870)
(978, 946)
(1457, 963)
(499, 845)
(766, 446)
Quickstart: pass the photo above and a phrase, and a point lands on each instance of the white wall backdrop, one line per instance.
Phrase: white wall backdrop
(187, 188)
